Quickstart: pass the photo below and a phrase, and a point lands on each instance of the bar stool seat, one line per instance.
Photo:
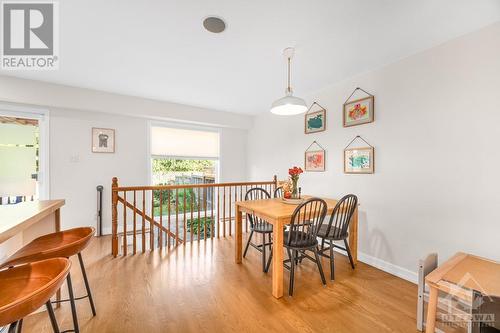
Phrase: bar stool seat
(27, 287)
(58, 244)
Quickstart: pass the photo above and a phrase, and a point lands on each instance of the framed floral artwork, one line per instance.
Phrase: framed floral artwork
(315, 121)
(360, 111)
(359, 160)
(103, 140)
(314, 160)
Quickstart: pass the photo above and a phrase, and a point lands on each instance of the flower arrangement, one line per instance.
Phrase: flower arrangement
(290, 189)
(357, 112)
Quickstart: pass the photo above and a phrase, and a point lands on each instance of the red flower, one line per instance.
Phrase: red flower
(295, 171)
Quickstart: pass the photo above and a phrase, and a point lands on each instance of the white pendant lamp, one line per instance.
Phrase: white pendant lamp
(289, 105)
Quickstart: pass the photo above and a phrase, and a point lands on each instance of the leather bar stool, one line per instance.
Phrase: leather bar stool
(27, 287)
(64, 244)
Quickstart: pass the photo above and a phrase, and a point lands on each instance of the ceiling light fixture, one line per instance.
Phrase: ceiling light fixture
(289, 105)
(214, 24)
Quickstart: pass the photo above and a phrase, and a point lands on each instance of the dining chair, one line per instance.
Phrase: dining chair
(301, 236)
(337, 229)
(258, 225)
(278, 192)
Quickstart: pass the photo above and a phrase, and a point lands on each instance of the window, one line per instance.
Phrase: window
(184, 156)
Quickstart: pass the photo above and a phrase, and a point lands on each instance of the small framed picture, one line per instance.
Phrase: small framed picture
(314, 160)
(315, 122)
(359, 160)
(360, 111)
(103, 140)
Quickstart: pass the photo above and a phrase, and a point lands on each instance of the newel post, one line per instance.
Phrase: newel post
(275, 180)
(114, 217)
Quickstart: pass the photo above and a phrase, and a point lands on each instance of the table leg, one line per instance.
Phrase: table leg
(353, 236)
(57, 227)
(431, 310)
(238, 257)
(278, 259)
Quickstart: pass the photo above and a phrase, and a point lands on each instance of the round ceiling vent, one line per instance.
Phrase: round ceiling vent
(214, 24)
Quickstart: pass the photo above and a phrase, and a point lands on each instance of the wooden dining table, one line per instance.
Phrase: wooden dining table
(278, 213)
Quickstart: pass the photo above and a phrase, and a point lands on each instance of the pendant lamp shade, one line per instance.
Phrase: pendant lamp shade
(289, 106)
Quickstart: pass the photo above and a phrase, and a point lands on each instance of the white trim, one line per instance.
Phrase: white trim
(385, 266)
(398, 271)
(43, 117)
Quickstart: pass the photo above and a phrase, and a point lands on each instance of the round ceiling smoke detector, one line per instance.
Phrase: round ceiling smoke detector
(214, 24)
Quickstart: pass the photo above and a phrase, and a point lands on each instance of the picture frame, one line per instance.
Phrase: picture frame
(315, 122)
(359, 160)
(103, 140)
(314, 160)
(358, 112)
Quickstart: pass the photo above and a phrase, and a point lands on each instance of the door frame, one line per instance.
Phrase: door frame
(43, 117)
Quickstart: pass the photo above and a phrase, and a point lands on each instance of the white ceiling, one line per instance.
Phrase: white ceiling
(159, 49)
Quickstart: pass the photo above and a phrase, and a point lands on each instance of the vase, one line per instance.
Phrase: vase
(295, 188)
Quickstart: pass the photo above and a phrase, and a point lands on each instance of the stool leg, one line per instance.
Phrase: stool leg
(52, 317)
(13, 327)
(72, 301)
(87, 286)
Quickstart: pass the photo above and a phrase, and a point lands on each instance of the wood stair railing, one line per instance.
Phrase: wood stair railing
(174, 214)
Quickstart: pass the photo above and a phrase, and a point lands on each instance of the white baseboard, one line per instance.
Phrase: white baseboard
(398, 271)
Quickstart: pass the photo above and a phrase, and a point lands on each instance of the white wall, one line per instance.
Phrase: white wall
(75, 171)
(436, 136)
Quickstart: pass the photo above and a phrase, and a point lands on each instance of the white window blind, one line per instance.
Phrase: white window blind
(176, 142)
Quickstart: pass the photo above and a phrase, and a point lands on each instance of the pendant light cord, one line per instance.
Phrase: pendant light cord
(289, 89)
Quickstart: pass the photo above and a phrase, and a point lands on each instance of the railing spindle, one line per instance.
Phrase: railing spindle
(185, 226)
(218, 215)
(168, 217)
(124, 223)
(152, 230)
(143, 231)
(191, 224)
(176, 216)
(230, 216)
(212, 223)
(135, 226)
(204, 206)
(160, 233)
(199, 214)
(224, 212)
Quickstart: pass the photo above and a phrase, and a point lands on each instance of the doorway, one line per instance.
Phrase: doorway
(23, 156)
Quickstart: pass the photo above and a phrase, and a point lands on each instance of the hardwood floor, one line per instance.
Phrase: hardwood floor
(199, 288)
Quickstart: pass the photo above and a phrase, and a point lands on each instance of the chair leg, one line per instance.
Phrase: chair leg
(52, 316)
(73, 306)
(87, 286)
(318, 262)
(292, 271)
(13, 327)
(264, 252)
(269, 260)
(349, 253)
(332, 265)
(248, 243)
(20, 325)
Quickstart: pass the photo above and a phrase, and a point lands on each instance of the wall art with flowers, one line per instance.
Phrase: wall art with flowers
(360, 111)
